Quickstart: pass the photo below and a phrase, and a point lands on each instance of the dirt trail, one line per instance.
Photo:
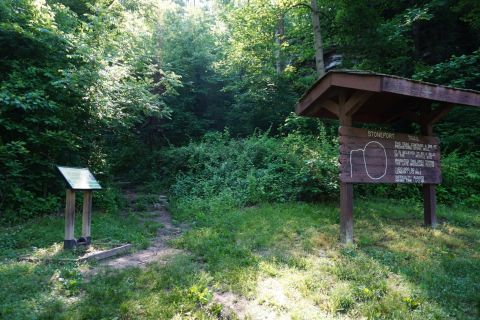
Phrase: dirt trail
(272, 305)
(159, 251)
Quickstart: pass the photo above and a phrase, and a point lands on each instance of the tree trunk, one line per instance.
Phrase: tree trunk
(317, 39)
(279, 38)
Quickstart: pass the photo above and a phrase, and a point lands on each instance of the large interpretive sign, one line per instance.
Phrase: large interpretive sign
(372, 156)
(380, 156)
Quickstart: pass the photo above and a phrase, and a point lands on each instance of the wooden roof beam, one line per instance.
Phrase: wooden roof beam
(433, 116)
(331, 106)
(406, 113)
(356, 101)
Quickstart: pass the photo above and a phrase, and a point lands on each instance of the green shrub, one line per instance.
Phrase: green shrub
(109, 199)
(253, 170)
(461, 179)
(23, 204)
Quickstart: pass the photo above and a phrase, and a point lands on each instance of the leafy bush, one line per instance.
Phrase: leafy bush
(109, 199)
(253, 170)
(461, 179)
(24, 204)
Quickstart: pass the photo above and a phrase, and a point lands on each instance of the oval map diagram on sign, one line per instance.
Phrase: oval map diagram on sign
(374, 158)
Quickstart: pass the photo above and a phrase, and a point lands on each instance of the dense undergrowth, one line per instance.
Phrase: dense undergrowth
(260, 168)
(123, 86)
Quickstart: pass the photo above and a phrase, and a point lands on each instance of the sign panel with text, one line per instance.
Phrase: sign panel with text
(79, 178)
(372, 156)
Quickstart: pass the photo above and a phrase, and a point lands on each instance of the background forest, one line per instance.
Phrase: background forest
(196, 97)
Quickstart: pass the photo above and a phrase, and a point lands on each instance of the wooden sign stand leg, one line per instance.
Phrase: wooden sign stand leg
(429, 192)
(69, 242)
(346, 213)
(346, 189)
(87, 217)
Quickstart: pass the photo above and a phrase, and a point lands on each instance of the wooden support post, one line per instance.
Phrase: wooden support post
(346, 189)
(69, 242)
(429, 192)
(429, 205)
(346, 213)
(87, 217)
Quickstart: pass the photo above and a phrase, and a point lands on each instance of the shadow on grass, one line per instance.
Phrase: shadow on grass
(232, 244)
(33, 290)
(37, 290)
(442, 265)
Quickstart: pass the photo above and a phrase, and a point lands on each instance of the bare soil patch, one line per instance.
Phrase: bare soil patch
(159, 251)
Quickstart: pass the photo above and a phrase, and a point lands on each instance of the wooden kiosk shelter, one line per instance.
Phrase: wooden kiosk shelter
(376, 156)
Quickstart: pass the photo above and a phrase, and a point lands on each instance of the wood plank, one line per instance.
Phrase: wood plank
(429, 192)
(347, 148)
(87, 215)
(378, 157)
(397, 89)
(346, 195)
(331, 106)
(96, 256)
(345, 120)
(69, 240)
(346, 213)
(377, 136)
(367, 143)
(429, 205)
(346, 159)
(380, 134)
(107, 253)
(364, 178)
(398, 175)
(364, 82)
(389, 168)
(428, 91)
(313, 94)
(356, 101)
(437, 114)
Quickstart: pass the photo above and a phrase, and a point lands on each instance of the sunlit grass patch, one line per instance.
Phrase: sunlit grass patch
(43, 237)
(397, 269)
(279, 260)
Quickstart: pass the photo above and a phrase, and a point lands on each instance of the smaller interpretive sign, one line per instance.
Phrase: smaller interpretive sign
(79, 178)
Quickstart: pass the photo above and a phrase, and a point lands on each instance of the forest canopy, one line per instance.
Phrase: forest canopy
(144, 90)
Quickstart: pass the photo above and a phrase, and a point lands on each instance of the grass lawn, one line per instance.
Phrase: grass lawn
(282, 258)
(31, 290)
